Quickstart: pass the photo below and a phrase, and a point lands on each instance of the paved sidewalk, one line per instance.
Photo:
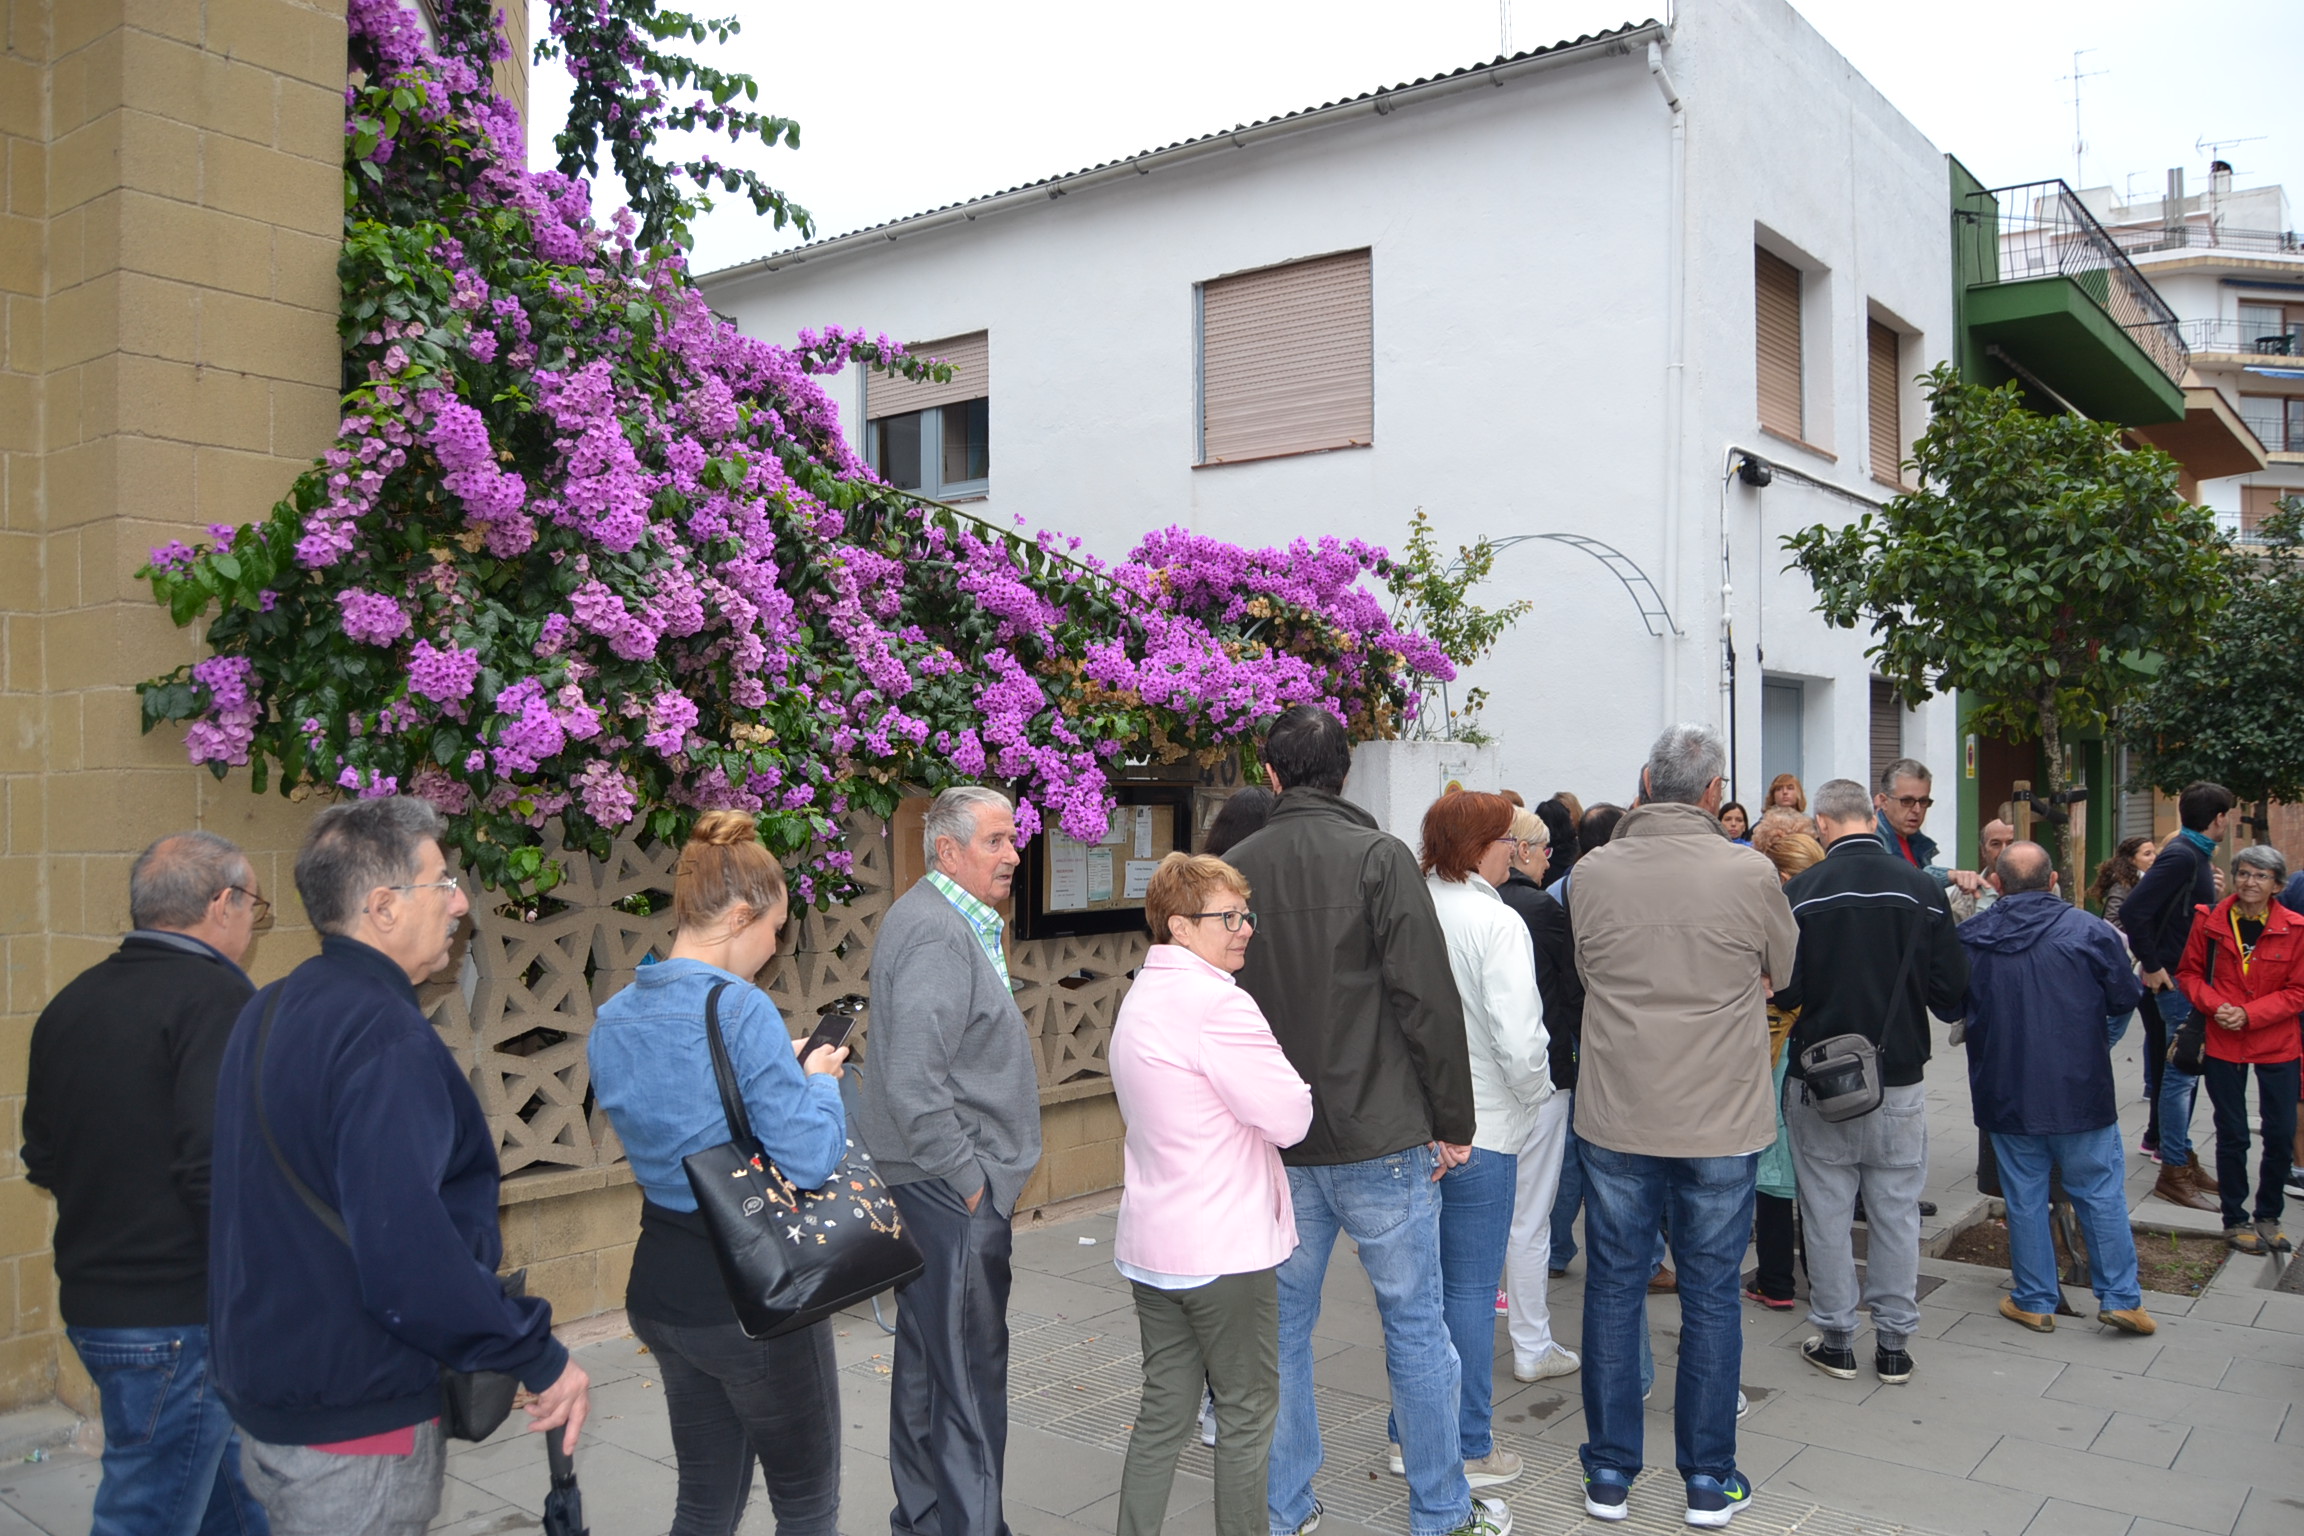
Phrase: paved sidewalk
(2000, 1432)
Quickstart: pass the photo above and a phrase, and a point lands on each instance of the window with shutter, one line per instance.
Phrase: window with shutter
(934, 438)
(2258, 502)
(1286, 361)
(1887, 728)
(1776, 289)
(1885, 375)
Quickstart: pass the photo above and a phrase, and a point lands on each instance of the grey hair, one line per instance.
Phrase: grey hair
(954, 816)
(358, 845)
(1904, 768)
(2262, 856)
(174, 880)
(2024, 867)
(1684, 762)
(1841, 800)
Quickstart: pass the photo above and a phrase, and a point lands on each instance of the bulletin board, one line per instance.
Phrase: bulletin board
(1071, 888)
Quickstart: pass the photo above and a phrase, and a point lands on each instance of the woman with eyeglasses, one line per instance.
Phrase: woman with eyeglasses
(1467, 857)
(1205, 1216)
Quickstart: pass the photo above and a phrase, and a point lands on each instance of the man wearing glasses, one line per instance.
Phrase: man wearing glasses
(117, 1117)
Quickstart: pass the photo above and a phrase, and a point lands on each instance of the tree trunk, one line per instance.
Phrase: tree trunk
(2052, 748)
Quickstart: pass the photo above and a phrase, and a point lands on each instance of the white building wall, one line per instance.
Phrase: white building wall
(1521, 248)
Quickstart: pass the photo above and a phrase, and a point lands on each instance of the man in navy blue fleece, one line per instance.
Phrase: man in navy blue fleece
(333, 1307)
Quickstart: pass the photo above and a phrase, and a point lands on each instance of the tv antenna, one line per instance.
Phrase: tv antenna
(2079, 143)
(2214, 148)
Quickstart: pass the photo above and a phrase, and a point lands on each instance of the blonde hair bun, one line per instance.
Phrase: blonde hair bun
(725, 829)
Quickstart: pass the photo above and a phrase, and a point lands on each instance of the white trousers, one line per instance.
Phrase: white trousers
(1529, 1255)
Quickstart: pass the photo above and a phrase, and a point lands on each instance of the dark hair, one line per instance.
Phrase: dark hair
(2025, 867)
(175, 879)
(1307, 748)
(1458, 828)
(357, 845)
(1738, 807)
(2120, 869)
(1565, 848)
(2202, 803)
(1598, 825)
(1244, 813)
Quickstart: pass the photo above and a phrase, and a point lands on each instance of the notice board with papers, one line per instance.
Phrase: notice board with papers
(1071, 888)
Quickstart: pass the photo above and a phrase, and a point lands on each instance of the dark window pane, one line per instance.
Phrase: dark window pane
(967, 447)
(2296, 424)
(898, 459)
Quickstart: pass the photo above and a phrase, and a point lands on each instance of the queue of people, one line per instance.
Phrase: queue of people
(1704, 1032)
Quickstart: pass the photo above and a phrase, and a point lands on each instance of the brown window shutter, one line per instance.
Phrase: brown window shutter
(1883, 346)
(1887, 728)
(1776, 287)
(891, 394)
(1286, 360)
(2258, 502)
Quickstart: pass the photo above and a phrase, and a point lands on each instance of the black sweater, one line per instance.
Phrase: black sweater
(1556, 979)
(118, 1111)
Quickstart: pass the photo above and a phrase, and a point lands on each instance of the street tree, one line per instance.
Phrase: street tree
(2042, 569)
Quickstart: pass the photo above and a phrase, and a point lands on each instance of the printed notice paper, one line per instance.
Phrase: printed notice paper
(1143, 831)
(1139, 878)
(1068, 874)
(1099, 874)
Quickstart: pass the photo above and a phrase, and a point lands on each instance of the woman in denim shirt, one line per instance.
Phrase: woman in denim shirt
(730, 1397)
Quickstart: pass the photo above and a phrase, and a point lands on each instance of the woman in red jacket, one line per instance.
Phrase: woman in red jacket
(2243, 969)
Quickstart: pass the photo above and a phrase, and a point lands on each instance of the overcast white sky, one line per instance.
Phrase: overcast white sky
(905, 105)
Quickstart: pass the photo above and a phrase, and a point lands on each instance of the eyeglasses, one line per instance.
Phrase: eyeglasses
(1232, 920)
(448, 884)
(261, 907)
(1913, 802)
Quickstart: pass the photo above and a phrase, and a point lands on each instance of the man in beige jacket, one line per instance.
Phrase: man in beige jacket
(1680, 934)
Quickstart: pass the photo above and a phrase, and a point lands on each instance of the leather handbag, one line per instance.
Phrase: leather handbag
(2188, 1042)
(473, 1404)
(791, 1256)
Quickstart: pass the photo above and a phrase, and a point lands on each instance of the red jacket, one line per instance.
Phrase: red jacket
(2270, 986)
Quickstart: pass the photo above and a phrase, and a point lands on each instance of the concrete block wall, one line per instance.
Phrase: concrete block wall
(1080, 1142)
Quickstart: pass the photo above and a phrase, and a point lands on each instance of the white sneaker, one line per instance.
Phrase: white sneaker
(1207, 1417)
(1490, 1517)
(1742, 1407)
(1553, 1362)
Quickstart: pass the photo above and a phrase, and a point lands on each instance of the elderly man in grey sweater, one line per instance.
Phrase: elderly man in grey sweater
(949, 1105)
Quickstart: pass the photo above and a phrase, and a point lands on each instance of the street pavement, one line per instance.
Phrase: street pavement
(2083, 1432)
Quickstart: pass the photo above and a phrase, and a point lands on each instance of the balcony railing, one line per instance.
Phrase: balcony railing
(2198, 234)
(2042, 229)
(2249, 337)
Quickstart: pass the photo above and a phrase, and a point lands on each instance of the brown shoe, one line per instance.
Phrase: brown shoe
(2038, 1322)
(2176, 1187)
(1663, 1279)
(2201, 1178)
(2130, 1320)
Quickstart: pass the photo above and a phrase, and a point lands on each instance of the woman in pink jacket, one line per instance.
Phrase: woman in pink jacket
(1204, 1213)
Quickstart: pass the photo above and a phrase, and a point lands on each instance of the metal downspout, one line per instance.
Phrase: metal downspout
(1675, 365)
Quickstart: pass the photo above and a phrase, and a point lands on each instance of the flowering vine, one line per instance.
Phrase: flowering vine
(583, 552)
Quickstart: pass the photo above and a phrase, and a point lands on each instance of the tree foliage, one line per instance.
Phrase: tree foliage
(2043, 569)
(2233, 711)
(1432, 596)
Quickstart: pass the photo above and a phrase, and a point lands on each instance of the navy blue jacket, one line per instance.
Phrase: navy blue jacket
(1922, 845)
(315, 1341)
(2044, 979)
(2157, 916)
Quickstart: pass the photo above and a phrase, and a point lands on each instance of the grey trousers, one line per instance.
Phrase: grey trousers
(1228, 1333)
(1883, 1155)
(319, 1493)
(948, 1398)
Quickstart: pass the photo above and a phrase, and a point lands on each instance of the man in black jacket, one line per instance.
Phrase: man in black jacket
(118, 1111)
(1351, 970)
(2157, 917)
(1878, 953)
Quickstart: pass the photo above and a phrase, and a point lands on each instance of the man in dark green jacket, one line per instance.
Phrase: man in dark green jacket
(1351, 969)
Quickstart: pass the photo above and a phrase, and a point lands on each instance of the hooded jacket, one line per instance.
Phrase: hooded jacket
(2044, 978)
(2157, 916)
(2269, 986)
(1351, 970)
(1858, 909)
(1676, 927)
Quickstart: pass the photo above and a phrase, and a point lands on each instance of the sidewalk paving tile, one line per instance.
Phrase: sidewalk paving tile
(2240, 1463)
(1884, 1427)
(1888, 1490)
(2082, 1477)
(2270, 1514)
(2060, 1517)
(54, 1495)
(2147, 1442)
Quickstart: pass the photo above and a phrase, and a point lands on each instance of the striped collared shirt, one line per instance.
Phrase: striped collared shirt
(985, 920)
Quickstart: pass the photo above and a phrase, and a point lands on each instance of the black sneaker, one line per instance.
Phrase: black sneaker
(1839, 1362)
(2295, 1184)
(1893, 1366)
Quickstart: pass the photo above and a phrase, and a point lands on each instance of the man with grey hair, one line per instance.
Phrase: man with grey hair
(1680, 935)
(355, 1234)
(950, 1106)
(119, 1109)
(1877, 954)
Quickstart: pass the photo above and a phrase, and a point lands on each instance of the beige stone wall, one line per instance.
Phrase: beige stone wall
(168, 358)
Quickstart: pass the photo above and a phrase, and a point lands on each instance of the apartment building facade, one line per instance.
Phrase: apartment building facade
(1556, 299)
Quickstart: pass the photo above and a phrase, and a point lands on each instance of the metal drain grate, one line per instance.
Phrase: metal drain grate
(1084, 1385)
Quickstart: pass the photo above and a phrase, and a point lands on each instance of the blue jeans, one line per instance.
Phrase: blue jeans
(1707, 1202)
(1564, 1203)
(171, 1456)
(2178, 1090)
(1475, 1229)
(1390, 1207)
(2093, 1166)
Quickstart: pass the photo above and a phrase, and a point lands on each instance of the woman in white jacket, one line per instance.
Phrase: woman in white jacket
(1467, 854)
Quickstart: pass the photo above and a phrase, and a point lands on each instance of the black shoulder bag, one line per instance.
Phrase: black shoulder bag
(2188, 1043)
(472, 1403)
(1841, 1076)
(791, 1256)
